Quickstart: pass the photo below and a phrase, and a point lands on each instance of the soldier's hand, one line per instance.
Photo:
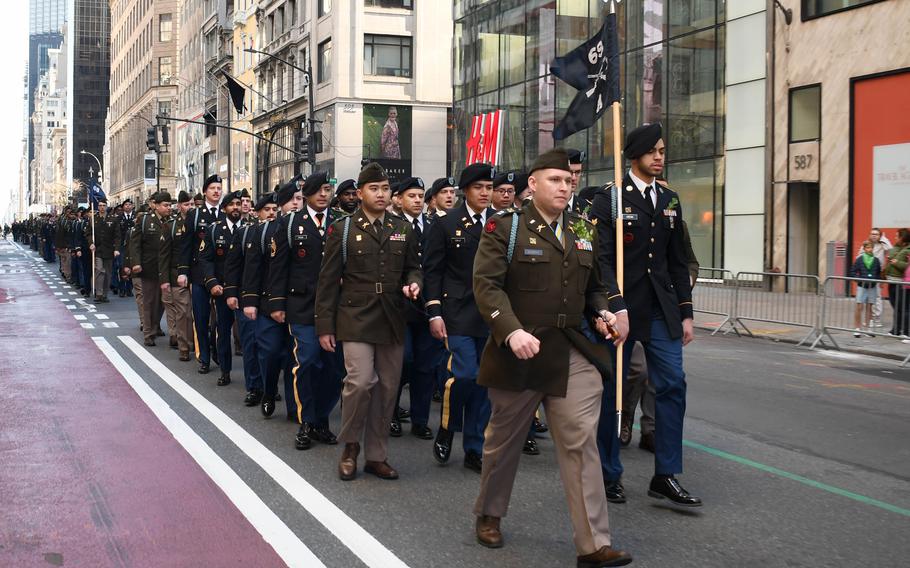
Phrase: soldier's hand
(233, 303)
(181, 281)
(688, 331)
(411, 291)
(438, 329)
(621, 325)
(278, 315)
(217, 290)
(137, 269)
(127, 270)
(250, 312)
(524, 345)
(116, 253)
(166, 287)
(327, 342)
(78, 254)
(91, 248)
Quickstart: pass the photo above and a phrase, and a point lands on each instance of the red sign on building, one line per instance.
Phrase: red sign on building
(485, 141)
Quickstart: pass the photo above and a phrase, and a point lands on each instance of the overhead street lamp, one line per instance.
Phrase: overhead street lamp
(100, 172)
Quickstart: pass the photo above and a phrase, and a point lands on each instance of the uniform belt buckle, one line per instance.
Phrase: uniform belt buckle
(560, 320)
(379, 287)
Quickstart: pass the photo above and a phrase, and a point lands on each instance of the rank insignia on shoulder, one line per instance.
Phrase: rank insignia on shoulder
(440, 213)
(273, 247)
(201, 246)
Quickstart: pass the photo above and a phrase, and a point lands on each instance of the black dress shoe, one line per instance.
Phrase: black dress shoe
(268, 406)
(442, 447)
(150, 342)
(647, 442)
(437, 396)
(129, 293)
(203, 368)
(252, 398)
(539, 426)
(666, 486)
(404, 415)
(224, 379)
(323, 435)
(172, 342)
(238, 352)
(530, 448)
(616, 493)
(421, 431)
(473, 461)
(303, 440)
(395, 428)
(625, 428)
(277, 397)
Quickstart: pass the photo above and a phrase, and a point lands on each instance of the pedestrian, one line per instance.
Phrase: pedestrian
(880, 246)
(896, 262)
(370, 262)
(867, 268)
(658, 294)
(535, 277)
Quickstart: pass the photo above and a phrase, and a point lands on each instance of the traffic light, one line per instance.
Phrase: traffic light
(302, 143)
(316, 142)
(151, 138)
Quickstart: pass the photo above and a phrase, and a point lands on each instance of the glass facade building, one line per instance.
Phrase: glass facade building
(672, 71)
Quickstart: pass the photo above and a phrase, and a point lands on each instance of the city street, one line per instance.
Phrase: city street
(116, 454)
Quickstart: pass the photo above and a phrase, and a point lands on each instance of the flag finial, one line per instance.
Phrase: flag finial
(613, 4)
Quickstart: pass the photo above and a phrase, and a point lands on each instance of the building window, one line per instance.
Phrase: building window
(818, 8)
(165, 70)
(325, 61)
(325, 6)
(401, 4)
(164, 108)
(805, 113)
(386, 55)
(165, 28)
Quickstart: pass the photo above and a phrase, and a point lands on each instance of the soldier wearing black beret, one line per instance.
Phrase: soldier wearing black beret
(346, 201)
(576, 159)
(441, 196)
(659, 297)
(504, 189)
(246, 206)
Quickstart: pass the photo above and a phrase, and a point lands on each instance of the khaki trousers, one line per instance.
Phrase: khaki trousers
(151, 307)
(65, 262)
(573, 424)
(369, 395)
(137, 293)
(178, 311)
(103, 268)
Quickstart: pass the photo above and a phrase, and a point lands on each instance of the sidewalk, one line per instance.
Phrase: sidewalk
(88, 475)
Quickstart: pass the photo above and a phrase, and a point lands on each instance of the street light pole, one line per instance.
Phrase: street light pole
(308, 75)
(100, 172)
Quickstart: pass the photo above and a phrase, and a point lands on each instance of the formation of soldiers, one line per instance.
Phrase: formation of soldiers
(494, 306)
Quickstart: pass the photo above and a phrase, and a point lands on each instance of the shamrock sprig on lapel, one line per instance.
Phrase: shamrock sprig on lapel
(581, 230)
(674, 203)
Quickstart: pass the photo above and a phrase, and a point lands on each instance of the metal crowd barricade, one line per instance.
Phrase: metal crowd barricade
(781, 299)
(838, 310)
(715, 294)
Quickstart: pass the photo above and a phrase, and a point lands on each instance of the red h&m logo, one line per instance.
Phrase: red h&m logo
(484, 144)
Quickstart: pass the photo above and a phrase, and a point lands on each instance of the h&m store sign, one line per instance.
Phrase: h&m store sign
(485, 139)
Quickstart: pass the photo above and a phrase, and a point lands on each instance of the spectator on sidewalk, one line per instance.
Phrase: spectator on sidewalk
(880, 246)
(898, 294)
(869, 268)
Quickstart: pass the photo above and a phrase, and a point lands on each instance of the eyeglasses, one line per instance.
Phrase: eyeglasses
(504, 191)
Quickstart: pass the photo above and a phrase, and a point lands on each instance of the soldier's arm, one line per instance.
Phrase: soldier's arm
(116, 237)
(251, 278)
(678, 268)
(691, 259)
(87, 234)
(490, 269)
(411, 273)
(135, 244)
(186, 252)
(277, 285)
(165, 249)
(434, 269)
(601, 214)
(596, 295)
(233, 265)
(207, 258)
(328, 288)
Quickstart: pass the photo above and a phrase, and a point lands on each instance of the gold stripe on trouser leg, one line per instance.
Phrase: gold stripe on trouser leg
(294, 373)
(444, 421)
(195, 335)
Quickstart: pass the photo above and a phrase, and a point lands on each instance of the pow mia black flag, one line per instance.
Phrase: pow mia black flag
(593, 69)
(238, 92)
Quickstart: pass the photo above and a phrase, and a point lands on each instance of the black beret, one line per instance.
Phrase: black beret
(127, 200)
(587, 193)
(197, 197)
(509, 177)
(313, 182)
(102, 200)
(556, 159)
(286, 192)
(81, 209)
(438, 185)
(142, 208)
(183, 197)
(345, 185)
(640, 141)
(161, 197)
(576, 156)
(228, 197)
(475, 173)
(407, 184)
(521, 182)
(267, 199)
(371, 173)
(214, 178)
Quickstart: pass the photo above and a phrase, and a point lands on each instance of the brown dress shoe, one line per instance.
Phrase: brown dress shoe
(487, 530)
(382, 470)
(184, 355)
(606, 556)
(347, 467)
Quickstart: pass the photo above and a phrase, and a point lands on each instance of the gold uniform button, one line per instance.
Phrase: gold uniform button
(652, 239)
(565, 264)
(565, 282)
(565, 300)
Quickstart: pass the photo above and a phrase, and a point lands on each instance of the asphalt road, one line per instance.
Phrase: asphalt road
(802, 459)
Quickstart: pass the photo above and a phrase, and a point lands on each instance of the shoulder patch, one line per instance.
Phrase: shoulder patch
(490, 226)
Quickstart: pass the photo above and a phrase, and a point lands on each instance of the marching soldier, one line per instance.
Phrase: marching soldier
(370, 260)
(504, 190)
(659, 297)
(196, 224)
(127, 220)
(534, 283)
(272, 337)
(174, 295)
(103, 244)
(297, 254)
(440, 196)
(346, 198)
(449, 267)
(62, 243)
(212, 252)
(576, 159)
(267, 210)
(145, 241)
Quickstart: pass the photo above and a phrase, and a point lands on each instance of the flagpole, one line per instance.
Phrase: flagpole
(620, 246)
(91, 204)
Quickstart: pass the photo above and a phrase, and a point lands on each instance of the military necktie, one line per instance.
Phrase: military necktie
(478, 217)
(377, 224)
(557, 230)
(417, 226)
(319, 218)
(648, 191)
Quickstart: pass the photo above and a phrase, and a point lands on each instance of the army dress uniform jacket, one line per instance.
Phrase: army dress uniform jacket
(294, 270)
(235, 259)
(656, 271)
(448, 272)
(126, 225)
(195, 225)
(213, 252)
(60, 237)
(547, 289)
(145, 242)
(360, 299)
(170, 248)
(257, 264)
(107, 235)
